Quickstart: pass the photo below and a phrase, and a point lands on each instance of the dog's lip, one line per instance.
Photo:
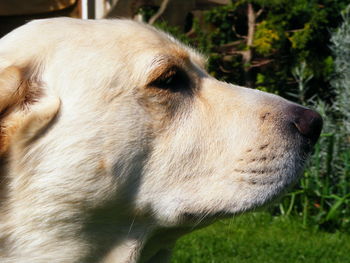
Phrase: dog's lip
(203, 218)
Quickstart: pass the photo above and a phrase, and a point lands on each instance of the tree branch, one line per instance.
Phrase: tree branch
(238, 35)
(259, 13)
(160, 11)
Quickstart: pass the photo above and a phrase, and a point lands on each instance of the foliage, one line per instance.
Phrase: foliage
(323, 195)
(265, 39)
(287, 33)
(341, 49)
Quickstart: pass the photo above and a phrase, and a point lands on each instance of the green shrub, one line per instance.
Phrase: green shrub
(323, 196)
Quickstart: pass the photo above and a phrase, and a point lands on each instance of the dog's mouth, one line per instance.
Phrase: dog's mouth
(202, 219)
(257, 184)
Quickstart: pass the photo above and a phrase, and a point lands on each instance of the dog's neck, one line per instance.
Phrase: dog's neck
(155, 248)
(42, 238)
(117, 245)
(38, 228)
(130, 240)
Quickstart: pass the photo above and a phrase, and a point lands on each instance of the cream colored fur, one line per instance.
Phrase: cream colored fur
(101, 164)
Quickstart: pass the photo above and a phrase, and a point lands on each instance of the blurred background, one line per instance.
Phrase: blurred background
(299, 49)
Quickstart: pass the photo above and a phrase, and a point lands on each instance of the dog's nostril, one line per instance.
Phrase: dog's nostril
(307, 122)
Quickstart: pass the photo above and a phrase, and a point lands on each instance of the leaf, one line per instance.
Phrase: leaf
(335, 207)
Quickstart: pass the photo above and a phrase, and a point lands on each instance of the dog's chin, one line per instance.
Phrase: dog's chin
(199, 220)
(258, 194)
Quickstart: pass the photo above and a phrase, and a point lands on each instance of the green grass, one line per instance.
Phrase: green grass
(262, 238)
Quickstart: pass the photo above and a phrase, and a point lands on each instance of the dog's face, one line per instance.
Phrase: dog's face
(120, 122)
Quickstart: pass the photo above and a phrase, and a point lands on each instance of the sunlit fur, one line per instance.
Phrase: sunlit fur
(100, 164)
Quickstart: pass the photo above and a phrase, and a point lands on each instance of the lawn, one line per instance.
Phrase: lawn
(262, 238)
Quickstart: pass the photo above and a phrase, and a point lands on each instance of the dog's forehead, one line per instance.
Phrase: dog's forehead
(149, 49)
(110, 39)
(158, 47)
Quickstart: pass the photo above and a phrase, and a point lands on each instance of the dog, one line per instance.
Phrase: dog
(115, 142)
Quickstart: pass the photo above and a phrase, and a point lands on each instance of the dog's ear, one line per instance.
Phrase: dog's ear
(25, 107)
(10, 86)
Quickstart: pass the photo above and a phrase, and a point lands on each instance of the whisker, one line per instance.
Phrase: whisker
(130, 228)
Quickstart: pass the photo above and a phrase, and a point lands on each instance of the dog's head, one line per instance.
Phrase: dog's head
(117, 115)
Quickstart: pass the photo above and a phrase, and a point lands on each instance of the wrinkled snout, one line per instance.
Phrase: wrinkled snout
(306, 122)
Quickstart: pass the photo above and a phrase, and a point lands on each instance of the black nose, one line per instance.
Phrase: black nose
(307, 122)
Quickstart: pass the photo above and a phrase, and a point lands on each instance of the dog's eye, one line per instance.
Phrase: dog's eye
(174, 80)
